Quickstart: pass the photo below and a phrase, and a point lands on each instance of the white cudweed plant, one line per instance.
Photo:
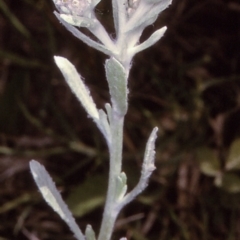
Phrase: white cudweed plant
(130, 18)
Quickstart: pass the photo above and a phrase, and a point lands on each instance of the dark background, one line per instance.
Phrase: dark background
(187, 84)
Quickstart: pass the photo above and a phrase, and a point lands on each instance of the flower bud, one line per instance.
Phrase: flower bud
(132, 6)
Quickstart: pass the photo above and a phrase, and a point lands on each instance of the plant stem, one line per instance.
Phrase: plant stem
(111, 208)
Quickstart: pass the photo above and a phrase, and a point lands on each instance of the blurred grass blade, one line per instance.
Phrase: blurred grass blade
(21, 61)
(14, 21)
(233, 160)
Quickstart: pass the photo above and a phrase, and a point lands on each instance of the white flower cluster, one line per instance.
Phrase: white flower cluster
(132, 6)
(72, 7)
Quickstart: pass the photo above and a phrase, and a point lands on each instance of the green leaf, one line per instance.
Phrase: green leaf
(117, 82)
(208, 161)
(88, 196)
(233, 160)
(230, 182)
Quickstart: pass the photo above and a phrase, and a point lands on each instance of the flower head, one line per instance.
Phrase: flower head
(72, 7)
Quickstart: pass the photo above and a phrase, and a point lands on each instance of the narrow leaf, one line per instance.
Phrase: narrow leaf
(121, 187)
(89, 233)
(53, 197)
(78, 34)
(146, 14)
(149, 42)
(115, 15)
(77, 86)
(109, 112)
(104, 126)
(117, 82)
(148, 167)
(149, 156)
(13, 19)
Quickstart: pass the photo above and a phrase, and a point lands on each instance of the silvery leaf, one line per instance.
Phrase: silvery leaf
(149, 155)
(121, 187)
(53, 197)
(78, 34)
(147, 168)
(146, 14)
(149, 42)
(117, 82)
(77, 86)
(104, 126)
(89, 233)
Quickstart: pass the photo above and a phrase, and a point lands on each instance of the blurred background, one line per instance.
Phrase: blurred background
(188, 85)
